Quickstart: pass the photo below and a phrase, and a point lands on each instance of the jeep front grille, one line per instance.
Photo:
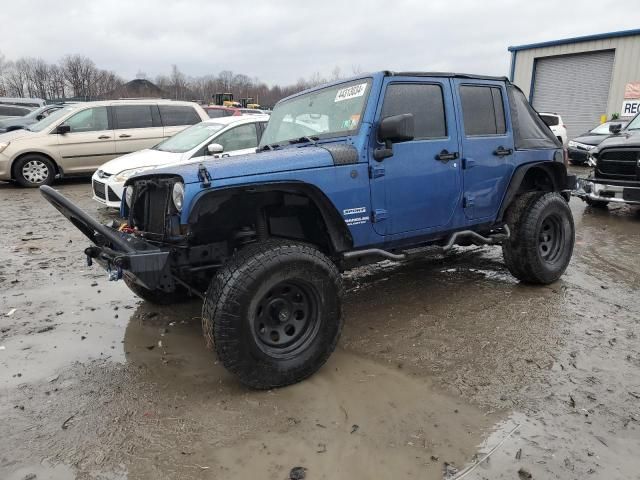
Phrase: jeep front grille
(619, 164)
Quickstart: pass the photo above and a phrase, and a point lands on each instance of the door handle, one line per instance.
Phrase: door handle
(124, 135)
(445, 156)
(104, 137)
(503, 152)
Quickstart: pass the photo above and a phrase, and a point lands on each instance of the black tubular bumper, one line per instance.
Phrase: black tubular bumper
(116, 251)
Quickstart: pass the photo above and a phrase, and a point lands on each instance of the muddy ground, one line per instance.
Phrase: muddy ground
(440, 360)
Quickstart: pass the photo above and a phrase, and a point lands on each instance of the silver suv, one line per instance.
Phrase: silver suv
(78, 138)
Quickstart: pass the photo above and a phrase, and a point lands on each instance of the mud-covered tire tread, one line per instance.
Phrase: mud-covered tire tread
(221, 310)
(520, 251)
(23, 182)
(156, 297)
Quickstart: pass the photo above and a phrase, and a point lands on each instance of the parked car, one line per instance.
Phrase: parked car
(78, 138)
(228, 136)
(29, 103)
(402, 160)
(616, 168)
(217, 111)
(555, 123)
(579, 147)
(32, 117)
(13, 111)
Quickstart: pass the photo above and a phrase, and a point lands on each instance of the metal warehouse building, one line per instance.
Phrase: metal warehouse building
(581, 78)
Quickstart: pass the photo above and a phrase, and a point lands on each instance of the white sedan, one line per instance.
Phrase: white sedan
(226, 136)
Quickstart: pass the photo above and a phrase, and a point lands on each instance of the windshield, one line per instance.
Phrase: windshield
(634, 124)
(50, 120)
(189, 138)
(331, 111)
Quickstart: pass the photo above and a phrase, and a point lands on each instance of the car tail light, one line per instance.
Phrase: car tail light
(565, 156)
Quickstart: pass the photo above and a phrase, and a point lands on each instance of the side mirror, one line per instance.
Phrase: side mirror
(397, 128)
(615, 128)
(214, 148)
(62, 129)
(39, 117)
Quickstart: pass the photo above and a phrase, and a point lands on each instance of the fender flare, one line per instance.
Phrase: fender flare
(339, 233)
(556, 171)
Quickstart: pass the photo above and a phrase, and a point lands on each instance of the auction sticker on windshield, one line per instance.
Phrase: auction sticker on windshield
(353, 91)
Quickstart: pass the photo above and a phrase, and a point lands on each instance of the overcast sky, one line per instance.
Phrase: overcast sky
(281, 41)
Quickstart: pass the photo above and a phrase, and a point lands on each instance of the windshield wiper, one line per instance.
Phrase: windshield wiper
(304, 140)
(271, 146)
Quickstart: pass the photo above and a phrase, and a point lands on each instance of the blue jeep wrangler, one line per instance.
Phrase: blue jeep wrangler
(364, 169)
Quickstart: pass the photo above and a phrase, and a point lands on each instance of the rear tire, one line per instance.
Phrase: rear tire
(34, 170)
(542, 237)
(273, 313)
(157, 297)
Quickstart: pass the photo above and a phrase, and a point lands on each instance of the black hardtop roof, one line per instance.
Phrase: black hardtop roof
(447, 74)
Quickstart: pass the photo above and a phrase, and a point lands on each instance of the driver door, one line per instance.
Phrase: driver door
(89, 143)
(419, 187)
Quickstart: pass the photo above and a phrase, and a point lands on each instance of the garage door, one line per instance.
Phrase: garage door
(574, 86)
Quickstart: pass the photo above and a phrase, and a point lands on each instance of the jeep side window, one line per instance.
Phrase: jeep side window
(239, 138)
(426, 103)
(89, 120)
(482, 110)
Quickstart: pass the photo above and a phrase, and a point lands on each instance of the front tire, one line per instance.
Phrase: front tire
(273, 313)
(34, 170)
(542, 237)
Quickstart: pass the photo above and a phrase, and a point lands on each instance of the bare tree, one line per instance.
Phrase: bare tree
(177, 83)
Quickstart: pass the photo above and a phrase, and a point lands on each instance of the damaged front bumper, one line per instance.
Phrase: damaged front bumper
(117, 252)
(608, 191)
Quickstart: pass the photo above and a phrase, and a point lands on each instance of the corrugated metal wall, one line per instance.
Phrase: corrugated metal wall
(626, 66)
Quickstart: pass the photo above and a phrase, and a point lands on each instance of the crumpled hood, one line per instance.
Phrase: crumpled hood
(141, 158)
(245, 166)
(14, 135)
(625, 139)
(590, 139)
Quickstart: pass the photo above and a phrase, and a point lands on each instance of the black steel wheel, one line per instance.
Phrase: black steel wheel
(273, 313)
(542, 237)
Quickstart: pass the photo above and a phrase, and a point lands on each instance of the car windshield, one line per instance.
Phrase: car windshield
(331, 111)
(634, 124)
(50, 120)
(189, 138)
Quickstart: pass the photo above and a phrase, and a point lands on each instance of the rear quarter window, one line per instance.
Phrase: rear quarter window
(550, 120)
(482, 110)
(176, 115)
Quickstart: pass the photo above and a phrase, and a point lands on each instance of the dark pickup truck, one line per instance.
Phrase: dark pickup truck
(616, 168)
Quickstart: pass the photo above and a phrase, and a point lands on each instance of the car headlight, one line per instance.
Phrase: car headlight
(4, 145)
(178, 195)
(589, 147)
(125, 174)
(572, 143)
(128, 195)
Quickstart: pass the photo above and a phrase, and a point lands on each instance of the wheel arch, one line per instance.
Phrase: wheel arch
(339, 235)
(545, 176)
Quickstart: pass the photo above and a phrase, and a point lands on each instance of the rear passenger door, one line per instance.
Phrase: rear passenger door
(136, 127)
(177, 117)
(487, 145)
(419, 187)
